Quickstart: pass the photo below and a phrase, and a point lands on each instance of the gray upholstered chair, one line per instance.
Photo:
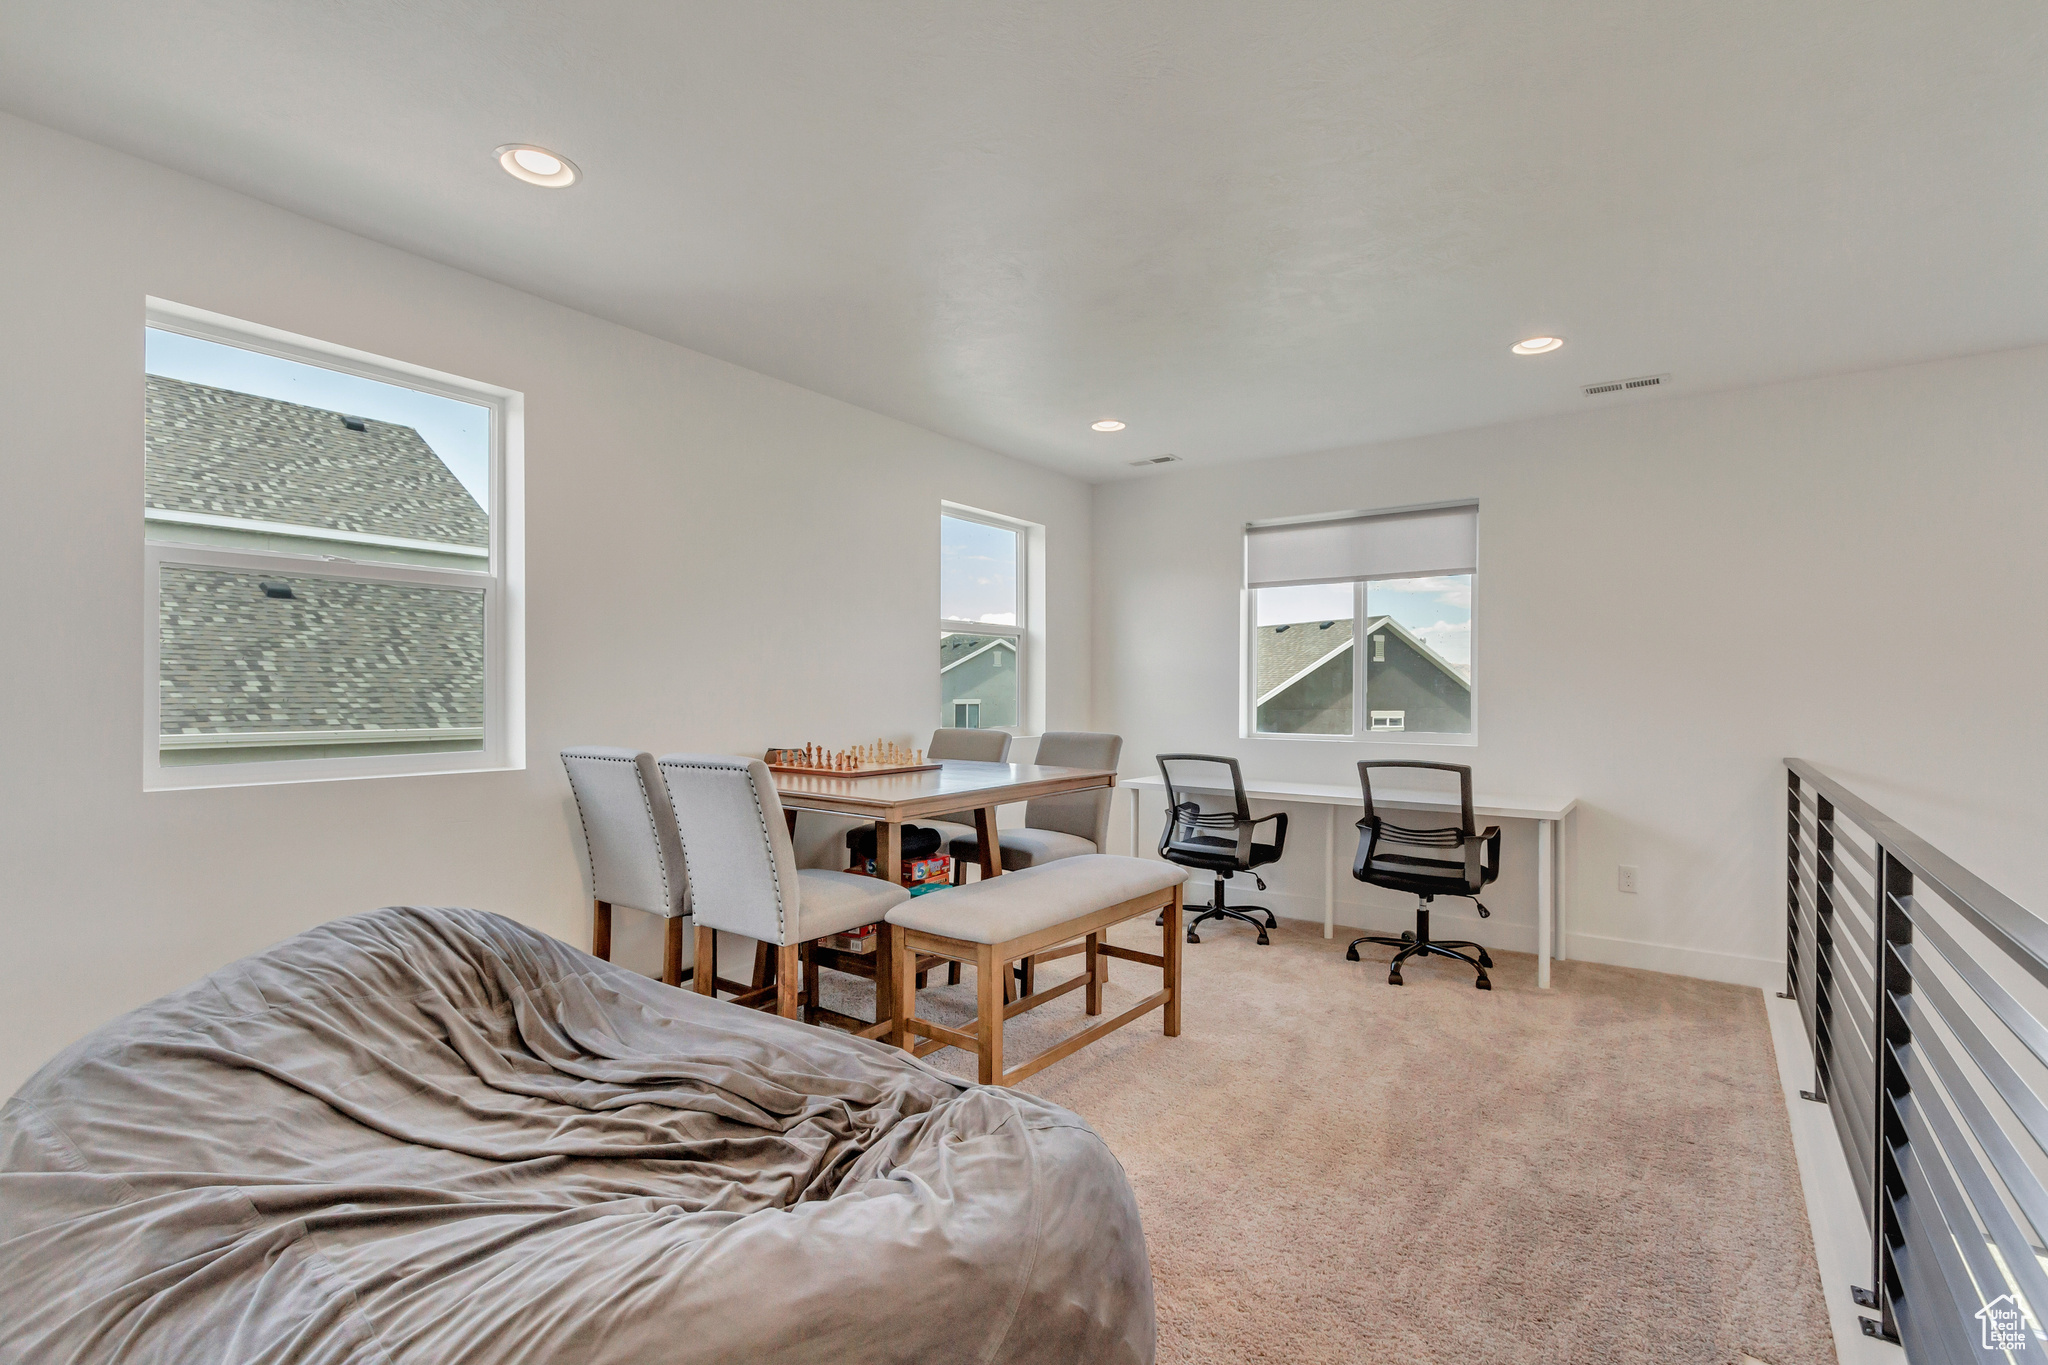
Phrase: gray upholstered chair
(635, 858)
(1063, 826)
(743, 873)
(973, 746)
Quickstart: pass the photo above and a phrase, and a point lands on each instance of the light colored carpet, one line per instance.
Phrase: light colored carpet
(1334, 1169)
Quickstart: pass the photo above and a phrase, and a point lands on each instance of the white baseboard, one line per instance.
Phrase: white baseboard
(1841, 1239)
(1768, 974)
(1451, 919)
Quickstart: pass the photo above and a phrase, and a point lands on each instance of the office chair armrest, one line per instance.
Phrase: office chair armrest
(1279, 830)
(1482, 858)
(1248, 828)
(1369, 840)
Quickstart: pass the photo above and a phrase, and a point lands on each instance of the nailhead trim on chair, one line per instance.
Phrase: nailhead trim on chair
(761, 815)
(653, 830)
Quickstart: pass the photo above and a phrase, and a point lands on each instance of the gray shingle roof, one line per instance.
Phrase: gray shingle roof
(260, 459)
(1284, 651)
(336, 655)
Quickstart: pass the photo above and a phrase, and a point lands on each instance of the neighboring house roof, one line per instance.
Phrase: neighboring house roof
(1287, 654)
(260, 459)
(336, 655)
(958, 647)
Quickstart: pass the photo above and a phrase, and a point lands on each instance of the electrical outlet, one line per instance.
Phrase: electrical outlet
(1625, 879)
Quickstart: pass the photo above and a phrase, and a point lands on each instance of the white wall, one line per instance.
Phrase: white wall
(716, 560)
(1672, 596)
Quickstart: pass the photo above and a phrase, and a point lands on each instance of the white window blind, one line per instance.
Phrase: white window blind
(1442, 540)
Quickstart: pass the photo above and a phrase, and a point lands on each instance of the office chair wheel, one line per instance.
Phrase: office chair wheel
(1271, 923)
(1393, 978)
(1484, 960)
(1193, 937)
(1482, 983)
(1160, 923)
(1351, 954)
(1407, 936)
(1264, 942)
(1484, 913)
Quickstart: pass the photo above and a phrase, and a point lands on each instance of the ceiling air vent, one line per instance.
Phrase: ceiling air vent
(1155, 459)
(1638, 385)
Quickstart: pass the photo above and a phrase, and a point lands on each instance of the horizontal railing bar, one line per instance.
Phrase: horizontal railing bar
(2005, 1157)
(2015, 929)
(1956, 1212)
(2019, 1097)
(1858, 855)
(2022, 1264)
(1862, 1168)
(2015, 1016)
(1862, 1024)
(1852, 1088)
(1938, 1243)
(1858, 893)
(1926, 1329)
(1857, 972)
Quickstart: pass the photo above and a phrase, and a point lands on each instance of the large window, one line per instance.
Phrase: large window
(1361, 626)
(326, 561)
(981, 621)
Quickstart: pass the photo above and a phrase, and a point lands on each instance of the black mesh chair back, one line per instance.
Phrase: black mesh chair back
(1408, 850)
(1205, 810)
(1209, 825)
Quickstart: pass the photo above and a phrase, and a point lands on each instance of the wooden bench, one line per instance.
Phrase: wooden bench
(993, 923)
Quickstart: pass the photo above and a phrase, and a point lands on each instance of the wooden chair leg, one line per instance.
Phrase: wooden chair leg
(810, 985)
(672, 952)
(952, 973)
(1095, 961)
(705, 976)
(988, 1014)
(764, 966)
(789, 975)
(1030, 983)
(601, 929)
(896, 985)
(1171, 952)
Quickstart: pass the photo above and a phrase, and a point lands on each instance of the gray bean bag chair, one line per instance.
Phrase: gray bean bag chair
(438, 1136)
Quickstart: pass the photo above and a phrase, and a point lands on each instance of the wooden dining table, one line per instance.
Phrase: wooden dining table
(898, 799)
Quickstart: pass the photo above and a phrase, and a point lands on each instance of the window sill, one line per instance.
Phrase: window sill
(271, 773)
(1403, 737)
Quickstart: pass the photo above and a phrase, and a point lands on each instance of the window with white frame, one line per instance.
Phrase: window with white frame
(982, 582)
(325, 536)
(1361, 617)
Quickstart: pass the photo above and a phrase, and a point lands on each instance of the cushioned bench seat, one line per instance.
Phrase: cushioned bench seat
(993, 922)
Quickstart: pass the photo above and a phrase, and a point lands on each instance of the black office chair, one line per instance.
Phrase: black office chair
(1396, 857)
(1216, 839)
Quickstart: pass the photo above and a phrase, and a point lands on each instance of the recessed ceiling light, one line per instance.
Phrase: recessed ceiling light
(1107, 424)
(537, 165)
(1538, 345)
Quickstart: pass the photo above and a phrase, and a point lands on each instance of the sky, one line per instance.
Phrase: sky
(460, 433)
(1437, 610)
(977, 572)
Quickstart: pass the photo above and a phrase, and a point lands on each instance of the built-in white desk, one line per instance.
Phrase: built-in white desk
(1548, 813)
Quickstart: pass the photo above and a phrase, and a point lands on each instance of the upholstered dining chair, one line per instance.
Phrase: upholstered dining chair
(1063, 826)
(971, 746)
(635, 857)
(744, 878)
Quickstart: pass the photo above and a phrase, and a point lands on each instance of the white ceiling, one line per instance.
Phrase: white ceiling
(1244, 229)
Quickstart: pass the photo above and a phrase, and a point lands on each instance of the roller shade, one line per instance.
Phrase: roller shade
(1442, 540)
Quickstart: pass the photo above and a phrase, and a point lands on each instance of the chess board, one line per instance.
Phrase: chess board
(879, 771)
